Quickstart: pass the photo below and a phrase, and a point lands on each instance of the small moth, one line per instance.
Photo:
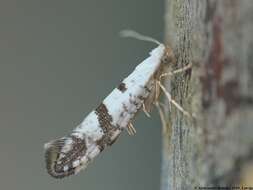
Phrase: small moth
(101, 128)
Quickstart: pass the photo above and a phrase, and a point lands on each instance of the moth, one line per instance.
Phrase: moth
(101, 128)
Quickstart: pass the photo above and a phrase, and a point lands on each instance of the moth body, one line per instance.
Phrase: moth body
(101, 128)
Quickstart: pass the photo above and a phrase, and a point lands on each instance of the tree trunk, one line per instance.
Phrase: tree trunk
(216, 148)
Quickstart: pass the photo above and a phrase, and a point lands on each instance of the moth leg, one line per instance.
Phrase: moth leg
(162, 115)
(157, 91)
(168, 95)
(144, 110)
(130, 129)
(158, 83)
(185, 68)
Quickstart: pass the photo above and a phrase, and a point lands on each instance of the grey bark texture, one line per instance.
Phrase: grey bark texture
(216, 148)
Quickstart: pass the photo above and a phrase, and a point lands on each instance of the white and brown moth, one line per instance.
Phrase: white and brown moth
(101, 128)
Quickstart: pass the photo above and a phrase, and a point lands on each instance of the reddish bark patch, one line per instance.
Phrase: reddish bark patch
(214, 65)
(212, 87)
(230, 94)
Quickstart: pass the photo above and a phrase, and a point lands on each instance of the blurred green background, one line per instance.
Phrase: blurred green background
(58, 61)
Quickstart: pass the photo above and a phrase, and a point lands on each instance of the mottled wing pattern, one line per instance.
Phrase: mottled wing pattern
(64, 155)
(70, 154)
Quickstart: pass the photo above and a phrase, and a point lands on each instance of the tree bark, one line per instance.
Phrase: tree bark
(216, 148)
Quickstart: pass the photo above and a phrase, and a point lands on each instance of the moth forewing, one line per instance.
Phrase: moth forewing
(101, 128)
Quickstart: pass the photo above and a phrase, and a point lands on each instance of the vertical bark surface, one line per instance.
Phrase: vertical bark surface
(216, 148)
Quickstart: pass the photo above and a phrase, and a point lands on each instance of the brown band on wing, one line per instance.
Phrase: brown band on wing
(105, 121)
(104, 118)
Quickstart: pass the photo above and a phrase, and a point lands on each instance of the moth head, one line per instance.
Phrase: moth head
(168, 56)
(65, 156)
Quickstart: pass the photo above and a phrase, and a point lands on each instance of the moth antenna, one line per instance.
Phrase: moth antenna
(138, 36)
